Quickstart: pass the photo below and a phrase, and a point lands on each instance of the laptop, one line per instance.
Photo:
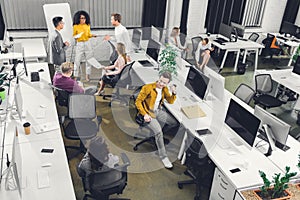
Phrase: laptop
(145, 63)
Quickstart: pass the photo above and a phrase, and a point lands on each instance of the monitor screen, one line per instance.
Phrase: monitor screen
(155, 34)
(225, 30)
(296, 68)
(153, 49)
(279, 128)
(18, 101)
(240, 29)
(197, 82)
(242, 122)
(288, 28)
(136, 37)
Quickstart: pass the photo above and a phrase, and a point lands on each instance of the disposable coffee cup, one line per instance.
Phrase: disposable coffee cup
(26, 128)
(2, 93)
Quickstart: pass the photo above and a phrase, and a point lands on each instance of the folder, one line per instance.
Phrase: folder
(193, 111)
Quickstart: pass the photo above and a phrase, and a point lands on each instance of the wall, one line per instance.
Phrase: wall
(297, 21)
(173, 13)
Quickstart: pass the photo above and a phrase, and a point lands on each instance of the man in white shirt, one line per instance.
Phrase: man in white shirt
(121, 33)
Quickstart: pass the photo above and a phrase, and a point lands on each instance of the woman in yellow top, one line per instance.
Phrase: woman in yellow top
(82, 34)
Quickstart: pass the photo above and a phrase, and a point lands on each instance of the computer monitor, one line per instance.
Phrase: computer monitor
(240, 29)
(225, 30)
(197, 82)
(279, 129)
(288, 28)
(155, 34)
(296, 68)
(18, 101)
(153, 49)
(24, 62)
(242, 122)
(216, 86)
(136, 38)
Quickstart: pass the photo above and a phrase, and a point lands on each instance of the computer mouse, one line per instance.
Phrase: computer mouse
(41, 70)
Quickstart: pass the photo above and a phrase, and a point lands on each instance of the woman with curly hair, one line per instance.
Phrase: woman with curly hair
(82, 34)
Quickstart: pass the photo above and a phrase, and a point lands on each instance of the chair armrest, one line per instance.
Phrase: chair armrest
(125, 159)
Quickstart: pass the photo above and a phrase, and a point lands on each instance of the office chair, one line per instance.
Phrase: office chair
(263, 88)
(81, 125)
(107, 181)
(271, 48)
(253, 37)
(245, 93)
(150, 138)
(61, 101)
(114, 55)
(199, 166)
(195, 42)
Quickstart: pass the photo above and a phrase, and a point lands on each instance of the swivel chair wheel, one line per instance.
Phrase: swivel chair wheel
(180, 186)
(135, 148)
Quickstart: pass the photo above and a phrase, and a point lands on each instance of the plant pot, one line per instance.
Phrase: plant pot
(288, 195)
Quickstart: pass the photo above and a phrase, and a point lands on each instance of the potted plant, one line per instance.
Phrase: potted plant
(277, 190)
(167, 60)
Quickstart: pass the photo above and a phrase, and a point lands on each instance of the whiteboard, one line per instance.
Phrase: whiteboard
(62, 10)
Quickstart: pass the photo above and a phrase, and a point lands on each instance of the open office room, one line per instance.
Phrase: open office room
(149, 99)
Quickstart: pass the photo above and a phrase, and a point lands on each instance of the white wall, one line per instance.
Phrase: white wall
(297, 21)
(196, 17)
(173, 14)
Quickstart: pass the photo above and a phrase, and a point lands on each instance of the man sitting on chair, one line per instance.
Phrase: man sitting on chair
(64, 81)
(149, 104)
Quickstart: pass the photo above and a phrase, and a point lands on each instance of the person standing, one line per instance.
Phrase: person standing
(82, 34)
(57, 47)
(121, 33)
(149, 104)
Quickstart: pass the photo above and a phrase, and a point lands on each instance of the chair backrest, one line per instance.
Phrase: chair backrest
(263, 83)
(114, 55)
(61, 96)
(253, 37)
(125, 76)
(195, 42)
(245, 93)
(109, 180)
(82, 106)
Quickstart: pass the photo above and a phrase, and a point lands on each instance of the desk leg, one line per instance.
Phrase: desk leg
(236, 60)
(223, 61)
(256, 60)
(245, 56)
(181, 150)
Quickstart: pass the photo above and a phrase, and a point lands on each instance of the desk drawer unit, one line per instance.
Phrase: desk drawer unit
(221, 188)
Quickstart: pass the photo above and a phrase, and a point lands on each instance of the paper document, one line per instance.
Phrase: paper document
(78, 35)
(193, 111)
(92, 61)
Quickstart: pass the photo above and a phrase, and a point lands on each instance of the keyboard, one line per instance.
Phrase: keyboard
(145, 63)
(220, 40)
(45, 127)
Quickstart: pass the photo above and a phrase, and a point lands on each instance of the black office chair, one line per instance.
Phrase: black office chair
(245, 93)
(253, 37)
(195, 42)
(144, 132)
(270, 51)
(81, 125)
(61, 101)
(263, 87)
(199, 166)
(107, 181)
(114, 55)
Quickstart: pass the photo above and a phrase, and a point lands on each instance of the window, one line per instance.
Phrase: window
(253, 13)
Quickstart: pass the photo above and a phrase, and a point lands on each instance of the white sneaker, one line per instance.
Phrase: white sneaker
(167, 163)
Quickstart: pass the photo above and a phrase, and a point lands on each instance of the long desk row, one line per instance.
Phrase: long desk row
(38, 109)
(249, 161)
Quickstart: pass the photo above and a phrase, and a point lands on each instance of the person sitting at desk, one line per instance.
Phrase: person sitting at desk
(203, 50)
(175, 40)
(96, 158)
(149, 104)
(64, 81)
(111, 73)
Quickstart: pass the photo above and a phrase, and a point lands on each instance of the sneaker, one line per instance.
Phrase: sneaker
(101, 93)
(167, 163)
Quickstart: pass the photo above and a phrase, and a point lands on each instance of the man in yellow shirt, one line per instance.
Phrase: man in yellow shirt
(149, 104)
(82, 34)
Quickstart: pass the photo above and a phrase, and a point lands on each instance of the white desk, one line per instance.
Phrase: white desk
(236, 47)
(249, 161)
(61, 186)
(33, 48)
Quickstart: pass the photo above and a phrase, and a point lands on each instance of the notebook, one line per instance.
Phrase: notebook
(145, 63)
(193, 111)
